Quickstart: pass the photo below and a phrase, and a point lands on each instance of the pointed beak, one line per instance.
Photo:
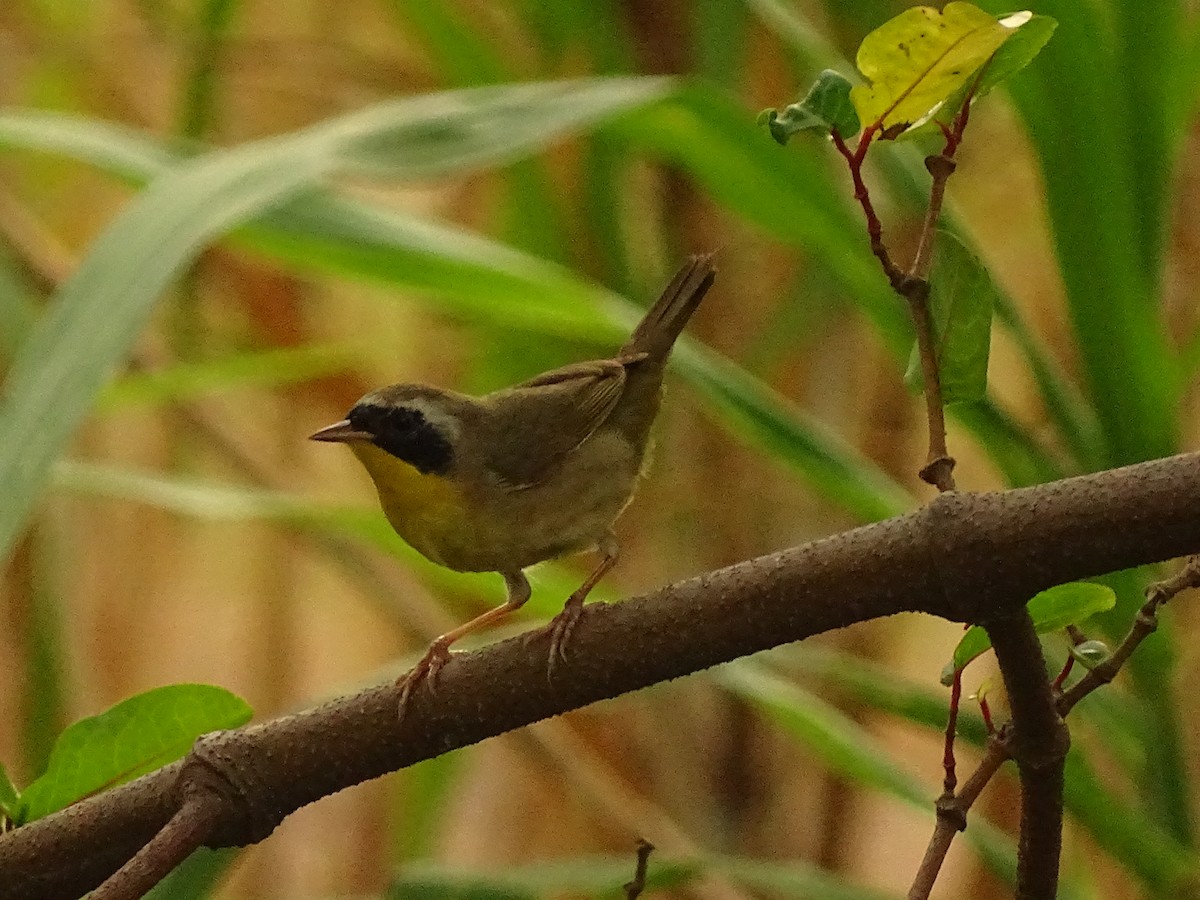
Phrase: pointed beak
(340, 433)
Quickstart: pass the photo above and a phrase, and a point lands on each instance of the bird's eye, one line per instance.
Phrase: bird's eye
(405, 433)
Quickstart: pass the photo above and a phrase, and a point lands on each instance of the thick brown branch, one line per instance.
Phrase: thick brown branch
(1038, 742)
(965, 557)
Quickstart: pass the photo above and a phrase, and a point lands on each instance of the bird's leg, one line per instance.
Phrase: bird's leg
(561, 627)
(438, 653)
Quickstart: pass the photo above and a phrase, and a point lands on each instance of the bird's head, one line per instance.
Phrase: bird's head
(415, 423)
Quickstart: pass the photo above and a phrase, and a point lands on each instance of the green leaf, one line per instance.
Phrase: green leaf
(962, 297)
(101, 309)
(1026, 38)
(826, 108)
(9, 797)
(919, 60)
(134, 737)
(1029, 35)
(1051, 610)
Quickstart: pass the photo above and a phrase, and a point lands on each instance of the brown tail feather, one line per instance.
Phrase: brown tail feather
(662, 324)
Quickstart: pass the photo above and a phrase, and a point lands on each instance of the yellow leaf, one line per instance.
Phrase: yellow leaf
(916, 61)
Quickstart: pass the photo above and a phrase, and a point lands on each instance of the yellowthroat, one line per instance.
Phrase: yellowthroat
(531, 472)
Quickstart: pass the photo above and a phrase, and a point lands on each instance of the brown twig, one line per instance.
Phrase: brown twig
(950, 782)
(633, 889)
(952, 818)
(186, 832)
(854, 159)
(1144, 624)
(939, 464)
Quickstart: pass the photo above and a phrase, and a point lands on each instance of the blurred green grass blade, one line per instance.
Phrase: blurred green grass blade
(1149, 55)
(261, 368)
(1074, 420)
(791, 195)
(599, 877)
(878, 687)
(458, 52)
(18, 309)
(718, 41)
(101, 309)
(602, 877)
(471, 276)
(848, 750)
(1103, 222)
(214, 21)
(758, 415)
(600, 27)
(792, 879)
(197, 877)
(842, 746)
(121, 151)
(1163, 777)
(1022, 461)
(44, 687)
(131, 738)
(211, 502)
(1142, 846)
(418, 797)
(454, 131)
(103, 306)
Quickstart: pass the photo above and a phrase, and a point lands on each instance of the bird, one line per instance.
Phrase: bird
(527, 473)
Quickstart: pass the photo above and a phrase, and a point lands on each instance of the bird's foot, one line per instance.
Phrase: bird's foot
(426, 670)
(559, 630)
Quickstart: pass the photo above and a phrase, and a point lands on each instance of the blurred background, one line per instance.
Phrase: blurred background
(192, 534)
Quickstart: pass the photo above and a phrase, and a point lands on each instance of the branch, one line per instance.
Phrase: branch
(633, 889)
(964, 557)
(952, 809)
(1038, 741)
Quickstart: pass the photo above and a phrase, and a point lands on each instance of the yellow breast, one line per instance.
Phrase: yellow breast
(428, 511)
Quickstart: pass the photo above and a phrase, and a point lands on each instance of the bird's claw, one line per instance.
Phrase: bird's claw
(426, 670)
(559, 630)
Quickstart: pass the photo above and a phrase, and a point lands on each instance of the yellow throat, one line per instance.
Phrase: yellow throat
(427, 510)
